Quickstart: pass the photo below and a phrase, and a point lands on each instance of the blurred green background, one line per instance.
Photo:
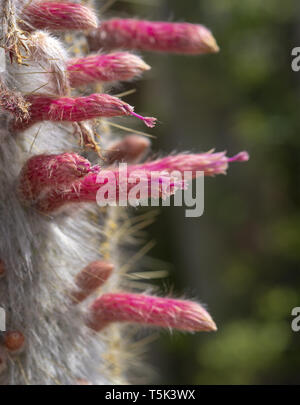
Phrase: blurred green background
(242, 256)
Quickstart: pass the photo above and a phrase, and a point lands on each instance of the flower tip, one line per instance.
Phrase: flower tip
(208, 40)
(241, 157)
(211, 43)
(92, 20)
(212, 326)
(144, 66)
(214, 46)
(244, 156)
(138, 62)
(204, 322)
(150, 122)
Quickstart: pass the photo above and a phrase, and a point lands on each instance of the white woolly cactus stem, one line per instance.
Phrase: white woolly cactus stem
(62, 279)
(41, 256)
(110, 249)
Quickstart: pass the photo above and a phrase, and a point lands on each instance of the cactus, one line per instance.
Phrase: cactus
(63, 282)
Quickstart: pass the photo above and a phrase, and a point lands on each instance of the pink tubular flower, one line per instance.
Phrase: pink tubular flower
(130, 149)
(48, 182)
(105, 68)
(78, 109)
(51, 15)
(149, 310)
(143, 35)
(210, 163)
(91, 278)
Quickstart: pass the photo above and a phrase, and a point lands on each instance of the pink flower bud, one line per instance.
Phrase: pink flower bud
(210, 163)
(44, 173)
(119, 66)
(78, 109)
(51, 15)
(149, 310)
(153, 36)
(130, 149)
(14, 342)
(91, 278)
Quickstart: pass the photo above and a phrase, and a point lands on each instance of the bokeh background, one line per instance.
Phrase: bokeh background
(241, 257)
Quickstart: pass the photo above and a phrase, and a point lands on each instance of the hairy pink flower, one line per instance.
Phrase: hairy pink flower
(153, 36)
(51, 15)
(78, 109)
(149, 310)
(91, 278)
(119, 66)
(42, 173)
(130, 149)
(50, 181)
(210, 163)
